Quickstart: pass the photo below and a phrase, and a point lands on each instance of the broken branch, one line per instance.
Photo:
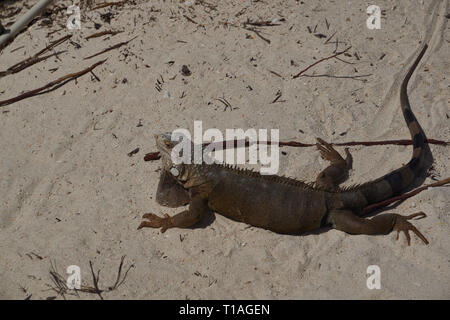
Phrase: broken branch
(61, 288)
(118, 45)
(108, 4)
(27, 63)
(260, 23)
(69, 77)
(35, 58)
(156, 155)
(102, 33)
(319, 61)
(257, 33)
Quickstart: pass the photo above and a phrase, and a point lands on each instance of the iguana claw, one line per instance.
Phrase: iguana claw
(155, 221)
(401, 224)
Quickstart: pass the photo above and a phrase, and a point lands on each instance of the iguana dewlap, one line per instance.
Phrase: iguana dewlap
(286, 205)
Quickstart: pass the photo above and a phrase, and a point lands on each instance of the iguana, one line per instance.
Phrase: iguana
(285, 205)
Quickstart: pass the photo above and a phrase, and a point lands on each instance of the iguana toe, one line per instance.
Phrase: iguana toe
(402, 224)
(155, 221)
(327, 151)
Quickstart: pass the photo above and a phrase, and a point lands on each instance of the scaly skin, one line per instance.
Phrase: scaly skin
(286, 205)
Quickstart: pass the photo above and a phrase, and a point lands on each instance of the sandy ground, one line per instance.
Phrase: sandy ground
(70, 194)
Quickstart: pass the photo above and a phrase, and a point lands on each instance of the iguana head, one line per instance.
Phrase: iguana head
(165, 146)
(180, 166)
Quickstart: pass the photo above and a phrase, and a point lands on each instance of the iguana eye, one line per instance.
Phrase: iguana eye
(167, 143)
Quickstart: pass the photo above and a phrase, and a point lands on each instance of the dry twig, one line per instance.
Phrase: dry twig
(35, 58)
(102, 33)
(59, 81)
(260, 23)
(319, 61)
(108, 4)
(61, 288)
(118, 45)
(257, 33)
(223, 145)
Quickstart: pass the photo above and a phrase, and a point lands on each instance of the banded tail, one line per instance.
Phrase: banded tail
(400, 179)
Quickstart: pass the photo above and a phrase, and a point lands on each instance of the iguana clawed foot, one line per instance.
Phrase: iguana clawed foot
(337, 171)
(329, 153)
(155, 221)
(402, 224)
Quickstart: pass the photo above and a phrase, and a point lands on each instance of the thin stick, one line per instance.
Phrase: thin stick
(68, 77)
(27, 63)
(54, 44)
(107, 4)
(95, 280)
(357, 77)
(102, 33)
(278, 96)
(18, 48)
(321, 60)
(351, 143)
(190, 19)
(61, 287)
(261, 23)
(403, 142)
(35, 58)
(208, 5)
(337, 58)
(405, 195)
(156, 155)
(257, 33)
(119, 272)
(330, 37)
(118, 45)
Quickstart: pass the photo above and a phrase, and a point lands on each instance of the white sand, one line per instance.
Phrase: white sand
(70, 194)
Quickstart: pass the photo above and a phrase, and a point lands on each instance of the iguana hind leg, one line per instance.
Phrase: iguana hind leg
(198, 208)
(346, 221)
(337, 171)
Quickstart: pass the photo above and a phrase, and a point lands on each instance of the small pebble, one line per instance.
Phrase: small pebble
(185, 71)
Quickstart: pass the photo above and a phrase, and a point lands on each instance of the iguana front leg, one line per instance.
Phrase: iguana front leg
(382, 224)
(198, 208)
(337, 171)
